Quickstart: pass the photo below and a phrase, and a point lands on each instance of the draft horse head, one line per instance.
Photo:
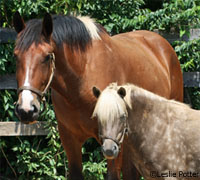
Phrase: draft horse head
(112, 115)
(35, 65)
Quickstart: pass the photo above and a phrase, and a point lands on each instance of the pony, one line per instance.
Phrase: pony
(70, 54)
(162, 135)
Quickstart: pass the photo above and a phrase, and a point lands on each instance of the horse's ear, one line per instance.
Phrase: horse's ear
(122, 92)
(18, 22)
(96, 92)
(47, 26)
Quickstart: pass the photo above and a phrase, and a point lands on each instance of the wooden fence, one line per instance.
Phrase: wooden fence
(191, 79)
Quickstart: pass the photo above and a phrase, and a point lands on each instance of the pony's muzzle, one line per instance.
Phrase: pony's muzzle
(110, 149)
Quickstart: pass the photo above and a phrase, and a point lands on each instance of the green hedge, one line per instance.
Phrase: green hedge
(42, 157)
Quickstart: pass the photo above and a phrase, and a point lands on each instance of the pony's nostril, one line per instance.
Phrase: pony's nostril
(114, 148)
(109, 152)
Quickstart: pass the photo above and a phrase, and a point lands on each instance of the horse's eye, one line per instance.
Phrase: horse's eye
(47, 58)
(15, 56)
(50, 56)
(16, 59)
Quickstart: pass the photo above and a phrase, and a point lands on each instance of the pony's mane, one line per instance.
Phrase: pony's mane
(133, 91)
(77, 32)
(110, 105)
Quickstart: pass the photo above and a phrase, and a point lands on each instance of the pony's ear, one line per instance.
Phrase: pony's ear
(18, 22)
(96, 92)
(47, 26)
(122, 92)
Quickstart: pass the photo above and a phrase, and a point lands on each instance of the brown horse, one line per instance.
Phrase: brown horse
(85, 55)
(163, 135)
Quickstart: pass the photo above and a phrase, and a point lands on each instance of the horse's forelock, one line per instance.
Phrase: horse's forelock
(31, 33)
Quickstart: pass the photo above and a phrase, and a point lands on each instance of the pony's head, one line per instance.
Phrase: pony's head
(111, 113)
(35, 64)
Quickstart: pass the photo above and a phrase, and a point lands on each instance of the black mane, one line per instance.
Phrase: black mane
(66, 29)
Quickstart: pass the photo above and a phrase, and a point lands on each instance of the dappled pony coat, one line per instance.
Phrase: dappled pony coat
(163, 135)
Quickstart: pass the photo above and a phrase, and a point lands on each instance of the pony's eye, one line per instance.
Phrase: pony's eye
(123, 117)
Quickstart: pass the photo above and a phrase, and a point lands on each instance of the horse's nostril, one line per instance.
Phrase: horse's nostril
(26, 114)
(17, 108)
(35, 109)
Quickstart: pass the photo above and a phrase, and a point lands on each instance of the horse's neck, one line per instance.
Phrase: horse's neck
(71, 70)
(68, 71)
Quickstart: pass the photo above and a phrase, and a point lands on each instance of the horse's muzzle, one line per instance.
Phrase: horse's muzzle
(110, 149)
(27, 115)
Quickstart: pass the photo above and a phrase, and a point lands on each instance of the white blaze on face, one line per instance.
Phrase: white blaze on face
(26, 95)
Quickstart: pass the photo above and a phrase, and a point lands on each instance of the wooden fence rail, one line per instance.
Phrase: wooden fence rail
(7, 35)
(191, 79)
(20, 129)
